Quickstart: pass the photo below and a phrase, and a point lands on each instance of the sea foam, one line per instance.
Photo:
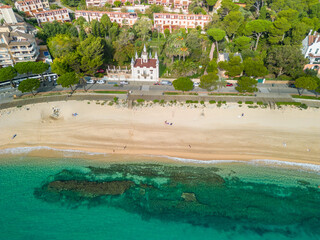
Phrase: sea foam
(266, 162)
(24, 150)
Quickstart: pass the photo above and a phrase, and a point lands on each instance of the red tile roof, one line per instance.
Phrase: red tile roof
(151, 63)
(312, 39)
(5, 6)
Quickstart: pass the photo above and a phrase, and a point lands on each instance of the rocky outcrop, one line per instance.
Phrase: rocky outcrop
(90, 189)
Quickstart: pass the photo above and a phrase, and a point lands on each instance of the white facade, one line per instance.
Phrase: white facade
(102, 3)
(311, 48)
(172, 21)
(118, 17)
(145, 68)
(32, 6)
(7, 14)
(178, 4)
(17, 45)
(60, 15)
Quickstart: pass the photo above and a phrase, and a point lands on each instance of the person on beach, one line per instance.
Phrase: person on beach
(14, 136)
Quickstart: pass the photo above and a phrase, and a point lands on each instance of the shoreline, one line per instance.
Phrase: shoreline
(101, 158)
(202, 134)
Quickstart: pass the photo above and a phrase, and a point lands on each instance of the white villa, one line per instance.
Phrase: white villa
(145, 68)
(311, 50)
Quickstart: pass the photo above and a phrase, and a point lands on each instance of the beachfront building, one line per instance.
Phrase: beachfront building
(17, 45)
(311, 50)
(117, 17)
(172, 21)
(32, 6)
(102, 3)
(145, 68)
(177, 4)
(7, 14)
(60, 15)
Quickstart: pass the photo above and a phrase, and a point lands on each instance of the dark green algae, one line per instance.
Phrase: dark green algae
(194, 195)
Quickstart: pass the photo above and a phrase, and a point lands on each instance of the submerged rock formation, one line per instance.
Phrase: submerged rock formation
(90, 189)
(194, 195)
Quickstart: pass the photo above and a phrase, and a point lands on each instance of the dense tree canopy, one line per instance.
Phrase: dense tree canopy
(7, 73)
(183, 84)
(29, 85)
(247, 84)
(209, 82)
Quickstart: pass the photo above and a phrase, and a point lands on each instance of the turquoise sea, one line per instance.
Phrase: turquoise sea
(72, 198)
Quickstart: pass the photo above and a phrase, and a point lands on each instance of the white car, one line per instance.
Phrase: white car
(124, 82)
(90, 81)
(196, 84)
(101, 82)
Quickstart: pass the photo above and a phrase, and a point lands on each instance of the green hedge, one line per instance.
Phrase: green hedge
(212, 101)
(190, 101)
(113, 92)
(306, 97)
(288, 103)
(140, 100)
(248, 102)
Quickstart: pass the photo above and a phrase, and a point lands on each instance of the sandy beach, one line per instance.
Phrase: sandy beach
(205, 133)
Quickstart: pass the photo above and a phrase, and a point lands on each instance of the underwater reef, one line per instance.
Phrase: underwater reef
(194, 195)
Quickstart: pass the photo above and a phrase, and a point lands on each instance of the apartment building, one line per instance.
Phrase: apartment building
(30, 7)
(118, 17)
(177, 4)
(7, 14)
(102, 3)
(17, 45)
(171, 21)
(60, 15)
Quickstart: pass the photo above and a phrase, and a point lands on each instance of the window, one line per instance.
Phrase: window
(138, 71)
(310, 50)
(317, 51)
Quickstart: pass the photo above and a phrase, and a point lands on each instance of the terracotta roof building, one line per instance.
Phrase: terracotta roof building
(102, 3)
(311, 47)
(145, 68)
(7, 14)
(172, 21)
(177, 4)
(30, 7)
(118, 17)
(60, 15)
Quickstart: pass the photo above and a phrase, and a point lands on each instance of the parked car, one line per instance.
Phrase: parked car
(124, 82)
(165, 82)
(90, 81)
(157, 83)
(196, 84)
(291, 85)
(229, 85)
(100, 82)
(100, 71)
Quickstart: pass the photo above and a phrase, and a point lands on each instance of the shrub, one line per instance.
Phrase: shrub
(260, 103)
(304, 106)
(248, 102)
(140, 100)
(202, 102)
(155, 101)
(212, 101)
(115, 99)
(239, 102)
(162, 101)
(224, 102)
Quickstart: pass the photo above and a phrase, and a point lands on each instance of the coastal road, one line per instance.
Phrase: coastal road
(6, 96)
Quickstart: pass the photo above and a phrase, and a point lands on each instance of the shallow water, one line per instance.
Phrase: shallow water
(227, 201)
